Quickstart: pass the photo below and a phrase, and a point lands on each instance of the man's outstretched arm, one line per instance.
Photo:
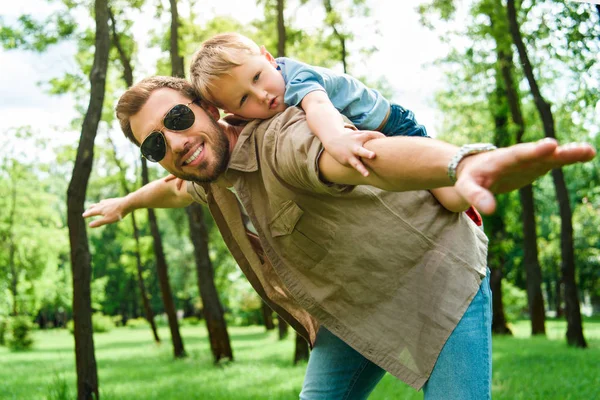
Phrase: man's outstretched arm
(156, 194)
(407, 163)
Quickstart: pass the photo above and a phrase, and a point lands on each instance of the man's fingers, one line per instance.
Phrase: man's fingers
(575, 152)
(169, 178)
(89, 212)
(478, 196)
(96, 223)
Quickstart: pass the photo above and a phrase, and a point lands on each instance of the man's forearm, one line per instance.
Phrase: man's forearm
(402, 164)
(158, 194)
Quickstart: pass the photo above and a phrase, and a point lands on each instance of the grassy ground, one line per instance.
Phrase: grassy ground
(130, 366)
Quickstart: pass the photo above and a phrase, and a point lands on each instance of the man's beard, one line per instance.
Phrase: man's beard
(221, 155)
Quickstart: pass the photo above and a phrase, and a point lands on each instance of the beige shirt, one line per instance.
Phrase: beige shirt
(391, 274)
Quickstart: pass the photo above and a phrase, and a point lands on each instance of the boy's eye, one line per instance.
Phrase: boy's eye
(256, 77)
(243, 99)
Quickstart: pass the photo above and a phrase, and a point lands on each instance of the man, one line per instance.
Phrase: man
(376, 280)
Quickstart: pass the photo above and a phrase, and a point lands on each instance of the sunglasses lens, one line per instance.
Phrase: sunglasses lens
(153, 147)
(179, 118)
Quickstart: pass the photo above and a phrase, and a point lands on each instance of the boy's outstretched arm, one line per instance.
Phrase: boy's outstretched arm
(156, 194)
(345, 146)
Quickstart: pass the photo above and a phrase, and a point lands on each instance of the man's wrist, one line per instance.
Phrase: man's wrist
(463, 152)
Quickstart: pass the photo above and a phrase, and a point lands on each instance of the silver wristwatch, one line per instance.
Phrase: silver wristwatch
(465, 151)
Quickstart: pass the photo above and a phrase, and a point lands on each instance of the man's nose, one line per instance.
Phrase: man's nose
(177, 141)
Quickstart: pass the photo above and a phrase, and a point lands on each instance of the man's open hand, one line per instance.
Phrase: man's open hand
(111, 210)
(510, 168)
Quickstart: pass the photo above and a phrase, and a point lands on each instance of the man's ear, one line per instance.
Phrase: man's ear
(210, 109)
(268, 56)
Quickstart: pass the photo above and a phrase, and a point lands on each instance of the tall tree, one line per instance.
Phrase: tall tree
(281, 31)
(333, 20)
(282, 326)
(87, 376)
(574, 323)
(213, 310)
(162, 269)
(531, 263)
(218, 336)
(148, 313)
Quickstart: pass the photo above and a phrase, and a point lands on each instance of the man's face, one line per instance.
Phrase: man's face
(254, 89)
(199, 153)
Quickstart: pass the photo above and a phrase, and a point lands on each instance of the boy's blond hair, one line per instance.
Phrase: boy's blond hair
(216, 57)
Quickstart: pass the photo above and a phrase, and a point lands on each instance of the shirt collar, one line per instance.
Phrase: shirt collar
(243, 157)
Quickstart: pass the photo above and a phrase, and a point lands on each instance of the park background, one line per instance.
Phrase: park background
(456, 64)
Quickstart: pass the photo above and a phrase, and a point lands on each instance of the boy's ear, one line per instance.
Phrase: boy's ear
(268, 56)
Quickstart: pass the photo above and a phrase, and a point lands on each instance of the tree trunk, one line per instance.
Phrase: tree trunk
(338, 35)
(128, 77)
(282, 327)
(267, 315)
(281, 34)
(533, 271)
(85, 359)
(213, 311)
(559, 290)
(14, 274)
(499, 325)
(163, 277)
(301, 353)
(495, 223)
(176, 60)
(574, 324)
(140, 278)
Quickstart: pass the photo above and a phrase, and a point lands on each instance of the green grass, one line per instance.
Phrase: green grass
(131, 366)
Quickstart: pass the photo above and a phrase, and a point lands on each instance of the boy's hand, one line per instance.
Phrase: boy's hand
(178, 183)
(347, 148)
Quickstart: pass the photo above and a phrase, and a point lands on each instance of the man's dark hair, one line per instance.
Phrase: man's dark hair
(132, 101)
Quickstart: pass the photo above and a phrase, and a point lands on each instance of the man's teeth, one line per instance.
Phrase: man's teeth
(194, 156)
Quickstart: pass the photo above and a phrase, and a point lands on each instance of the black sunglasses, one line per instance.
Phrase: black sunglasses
(179, 118)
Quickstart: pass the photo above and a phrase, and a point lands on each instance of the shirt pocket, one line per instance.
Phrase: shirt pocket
(294, 243)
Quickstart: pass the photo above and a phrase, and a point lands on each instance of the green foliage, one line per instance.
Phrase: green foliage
(59, 389)
(3, 329)
(263, 368)
(19, 333)
(515, 301)
(100, 323)
(191, 321)
(135, 323)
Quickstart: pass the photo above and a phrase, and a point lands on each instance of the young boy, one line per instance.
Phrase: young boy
(235, 74)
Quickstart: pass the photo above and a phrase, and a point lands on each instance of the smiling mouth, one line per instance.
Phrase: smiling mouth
(194, 155)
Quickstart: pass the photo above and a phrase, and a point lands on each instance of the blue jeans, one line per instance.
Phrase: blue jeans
(463, 369)
(402, 122)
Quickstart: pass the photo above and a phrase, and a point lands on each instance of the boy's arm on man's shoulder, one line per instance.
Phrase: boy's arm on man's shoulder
(325, 121)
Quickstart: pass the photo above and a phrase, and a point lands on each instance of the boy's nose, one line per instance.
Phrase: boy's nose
(262, 95)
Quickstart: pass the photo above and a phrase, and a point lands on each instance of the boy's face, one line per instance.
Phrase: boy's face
(254, 89)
